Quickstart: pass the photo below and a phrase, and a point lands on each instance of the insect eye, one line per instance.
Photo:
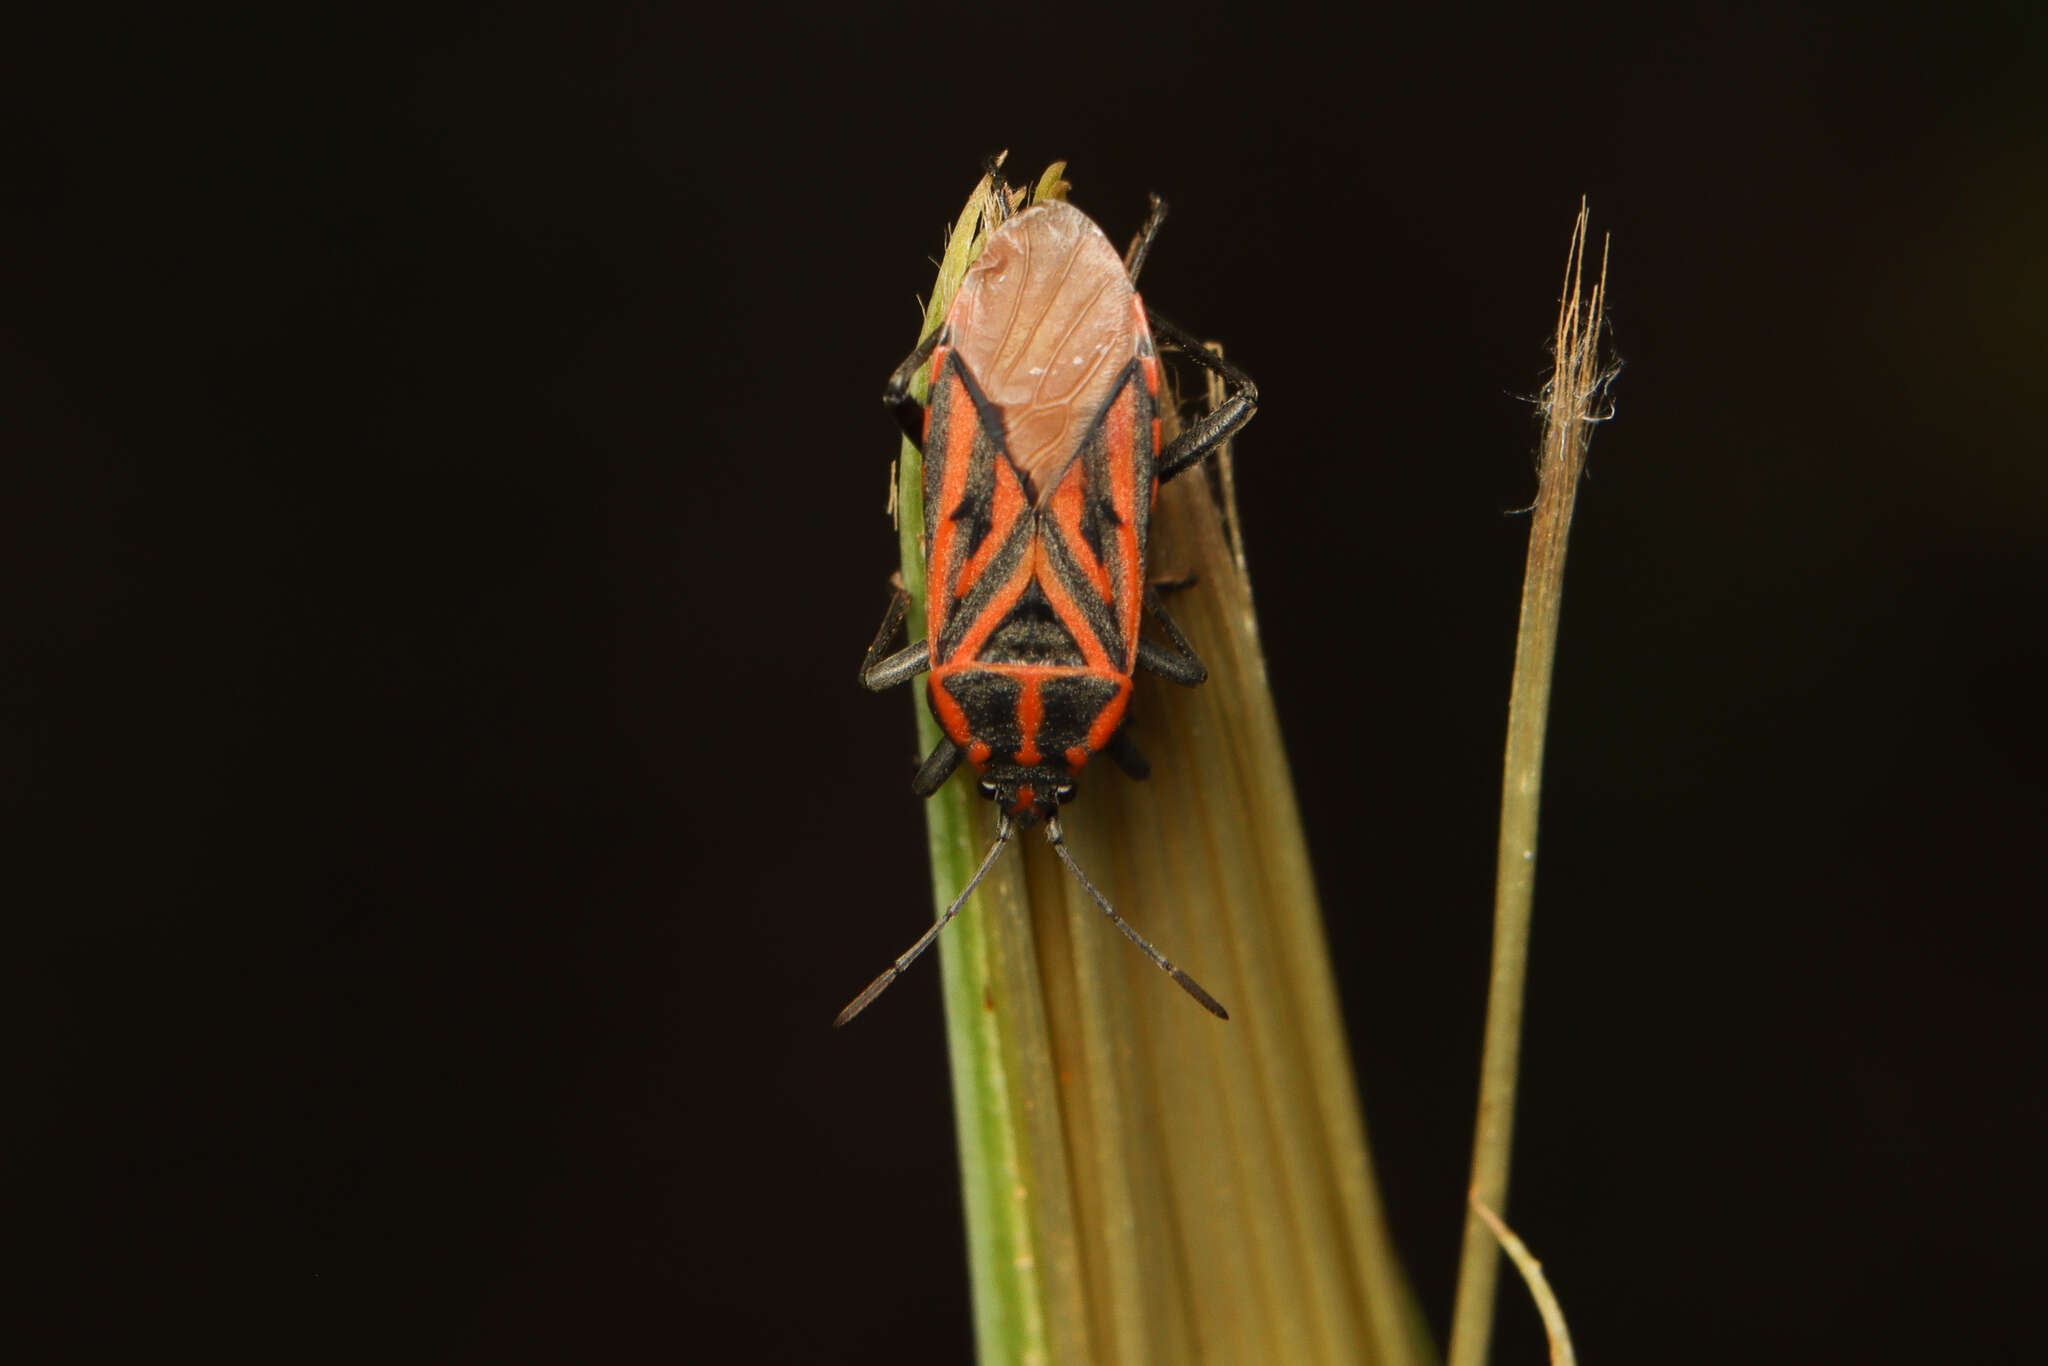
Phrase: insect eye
(1065, 792)
(988, 789)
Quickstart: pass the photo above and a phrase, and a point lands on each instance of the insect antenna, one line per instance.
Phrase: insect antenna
(1187, 983)
(881, 984)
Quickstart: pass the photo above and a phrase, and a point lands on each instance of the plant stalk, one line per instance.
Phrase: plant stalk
(1569, 401)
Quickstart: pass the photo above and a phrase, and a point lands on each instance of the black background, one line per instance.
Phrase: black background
(443, 504)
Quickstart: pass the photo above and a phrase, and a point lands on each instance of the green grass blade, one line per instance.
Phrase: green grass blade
(1001, 1157)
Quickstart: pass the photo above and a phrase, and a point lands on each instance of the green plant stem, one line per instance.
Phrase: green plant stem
(1574, 384)
(1025, 1278)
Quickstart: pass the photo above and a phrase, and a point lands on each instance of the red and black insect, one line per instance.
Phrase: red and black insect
(1041, 464)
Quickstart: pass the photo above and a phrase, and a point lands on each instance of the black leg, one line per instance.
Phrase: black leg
(937, 767)
(878, 673)
(1240, 402)
(1179, 664)
(908, 412)
(1134, 259)
(1125, 752)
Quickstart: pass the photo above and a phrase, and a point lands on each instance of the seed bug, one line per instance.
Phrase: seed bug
(1041, 464)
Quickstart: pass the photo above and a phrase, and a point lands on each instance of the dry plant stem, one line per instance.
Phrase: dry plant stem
(1568, 400)
(1561, 1353)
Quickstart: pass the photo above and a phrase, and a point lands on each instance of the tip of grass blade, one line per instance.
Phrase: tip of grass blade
(1053, 184)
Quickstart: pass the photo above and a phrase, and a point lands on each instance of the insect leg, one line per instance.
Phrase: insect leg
(877, 672)
(1126, 754)
(1240, 402)
(998, 187)
(1134, 259)
(937, 767)
(1180, 664)
(909, 413)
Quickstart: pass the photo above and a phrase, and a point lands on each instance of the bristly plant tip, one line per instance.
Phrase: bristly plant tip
(1569, 403)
